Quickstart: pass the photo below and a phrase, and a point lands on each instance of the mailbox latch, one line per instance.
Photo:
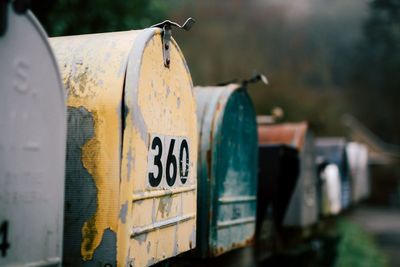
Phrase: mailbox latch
(166, 26)
(256, 78)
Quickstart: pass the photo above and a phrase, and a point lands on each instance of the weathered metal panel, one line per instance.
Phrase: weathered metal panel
(303, 206)
(227, 169)
(358, 166)
(32, 146)
(132, 154)
(333, 150)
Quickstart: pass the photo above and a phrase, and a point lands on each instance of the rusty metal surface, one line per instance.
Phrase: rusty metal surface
(292, 134)
(32, 146)
(227, 169)
(121, 97)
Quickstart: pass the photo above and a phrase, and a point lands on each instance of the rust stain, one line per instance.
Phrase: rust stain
(209, 161)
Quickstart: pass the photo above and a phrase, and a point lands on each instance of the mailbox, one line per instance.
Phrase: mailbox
(132, 148)
(329, 189)
(227, 169)
(333, 149)
(302, 208)
(32, 145)
(278, 174)
(358, 165)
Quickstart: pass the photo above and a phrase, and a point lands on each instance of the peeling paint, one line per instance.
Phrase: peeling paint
(142, 238)
(164, 206)
(106, 252)
(123, 212)
(80, 191)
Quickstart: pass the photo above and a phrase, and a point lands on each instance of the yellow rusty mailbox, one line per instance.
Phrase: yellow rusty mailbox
(132, 148)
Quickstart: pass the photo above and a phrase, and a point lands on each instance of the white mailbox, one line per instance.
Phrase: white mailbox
(32, 146)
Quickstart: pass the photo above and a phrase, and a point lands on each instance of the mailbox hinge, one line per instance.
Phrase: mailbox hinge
(166, 26)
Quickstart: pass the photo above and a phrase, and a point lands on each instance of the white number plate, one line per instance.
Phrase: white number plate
(168, 161)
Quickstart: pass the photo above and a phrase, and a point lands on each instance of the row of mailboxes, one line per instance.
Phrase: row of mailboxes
(343, 172)
(130, 149)
(145, 178)
(318, 178)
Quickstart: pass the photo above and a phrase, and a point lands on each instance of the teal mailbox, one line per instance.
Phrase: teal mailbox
(227, 169)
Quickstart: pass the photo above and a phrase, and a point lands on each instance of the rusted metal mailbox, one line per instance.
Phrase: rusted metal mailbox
(358, 166)
(32, 145)
(132, 148)
(302, 208)
(333, 149)
(227, 169)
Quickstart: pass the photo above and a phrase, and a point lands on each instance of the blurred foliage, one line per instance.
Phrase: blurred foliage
(357, 248)
(68, 17)
(376, 70)
(305, 57)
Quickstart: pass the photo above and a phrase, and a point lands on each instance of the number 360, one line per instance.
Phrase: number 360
(168, 156)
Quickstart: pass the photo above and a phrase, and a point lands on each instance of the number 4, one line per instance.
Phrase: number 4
(4, 246)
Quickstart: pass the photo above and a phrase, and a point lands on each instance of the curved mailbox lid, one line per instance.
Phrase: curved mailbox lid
(303, 208)
(227, 169)
(32, 146)
(333, 149)
(120, 99)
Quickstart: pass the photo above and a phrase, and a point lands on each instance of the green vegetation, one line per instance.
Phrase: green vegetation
(357, 248)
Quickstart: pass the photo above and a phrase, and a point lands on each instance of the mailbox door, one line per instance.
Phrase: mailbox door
(235, 161)
(32, 146)
(159, 155)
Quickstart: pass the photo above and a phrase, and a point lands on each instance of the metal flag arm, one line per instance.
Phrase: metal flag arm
(166, 26)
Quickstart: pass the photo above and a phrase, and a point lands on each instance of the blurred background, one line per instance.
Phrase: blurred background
(334, 63)
(323, 58)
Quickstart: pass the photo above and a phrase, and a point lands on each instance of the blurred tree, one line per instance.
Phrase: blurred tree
(67, 17)
(376, 77)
